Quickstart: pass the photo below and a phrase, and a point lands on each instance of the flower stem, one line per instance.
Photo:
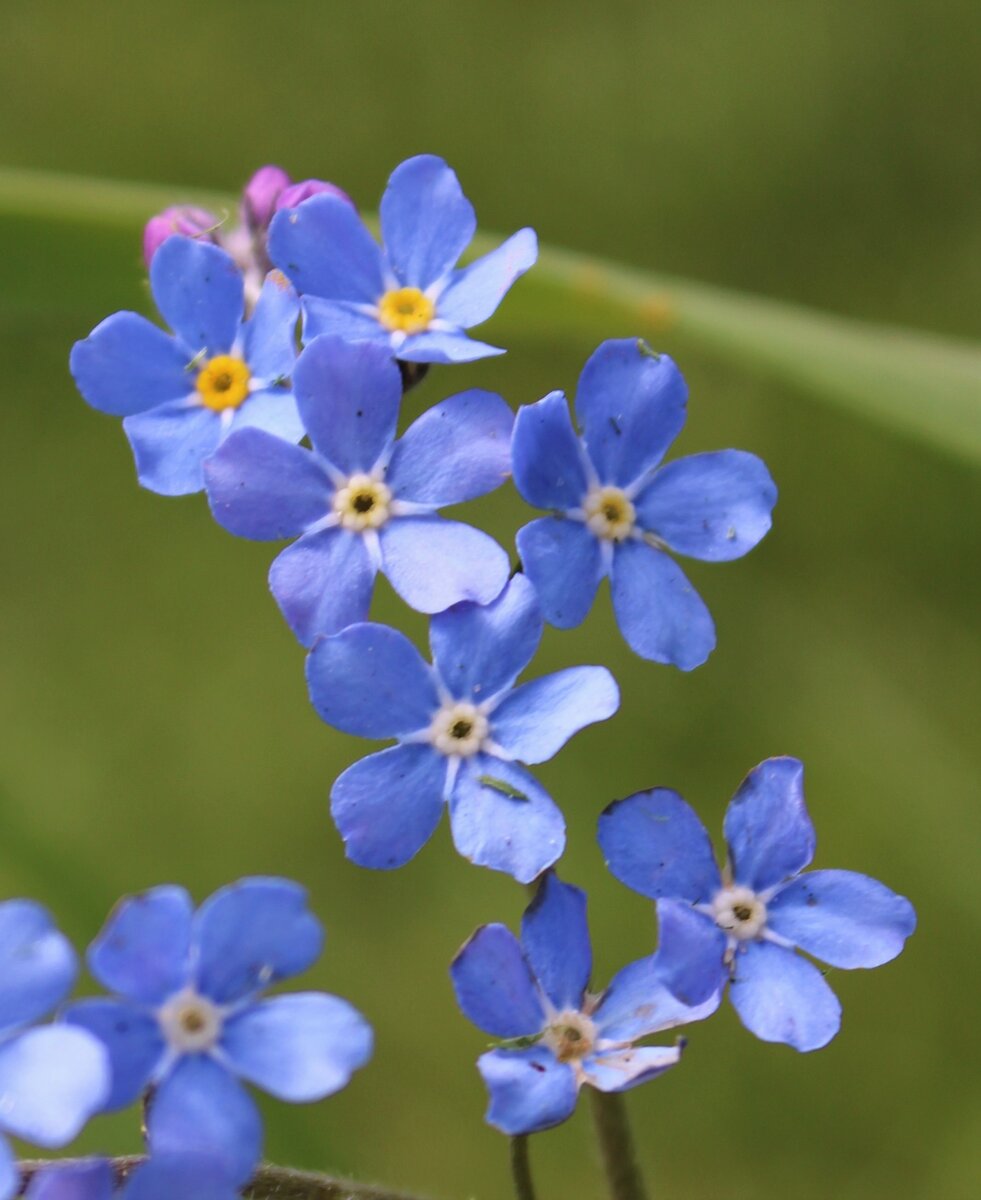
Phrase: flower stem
(617, 1146)
(524, 1187)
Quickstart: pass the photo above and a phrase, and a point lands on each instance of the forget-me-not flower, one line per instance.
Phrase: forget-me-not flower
(361, 502)
(753, 914)
(407, 295)
(462, 728)
(616, 511)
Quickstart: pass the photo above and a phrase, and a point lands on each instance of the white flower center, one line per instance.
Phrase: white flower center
(609, 513)
(459, 729)
(571, 1036)
(362, 503)
(740, 912)
(190, 1022)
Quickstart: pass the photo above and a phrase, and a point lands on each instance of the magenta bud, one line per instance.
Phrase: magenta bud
(260, 195)
(183, 219)
(298, 192)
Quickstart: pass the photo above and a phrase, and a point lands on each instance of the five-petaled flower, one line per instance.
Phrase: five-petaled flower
(407, 295)
(754, 913)
(616, 511)
(462, 729)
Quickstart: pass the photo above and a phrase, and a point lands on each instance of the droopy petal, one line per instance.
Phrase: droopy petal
(132, 1039)
(637, 1003)
(39, 964)
(199, 292)
(549, 466)
(426, 220)
(371, 681)
(324, 247)
(710, 506)
(843, 918)
(85, 1179)
(618, 1070)
(655, 843)
(52, 1079)
(386, 806)
(659, 613)
(127, 365)
(555, 937)
(475, 292)
(631, 405)
(782, 997)
(494, 985)
(299, 1047)
(690, 958)
(564, 561)
(143, 950)
(535, 721)
(323, 583)
(444, 346)
(529, 1089)
(269, 336)
(433, 563)
(767, 825)
(170, 445)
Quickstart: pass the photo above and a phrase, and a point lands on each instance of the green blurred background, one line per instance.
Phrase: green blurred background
(153, 718)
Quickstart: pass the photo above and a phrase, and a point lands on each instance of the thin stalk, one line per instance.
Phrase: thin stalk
(524, 1187)
(616, 1145)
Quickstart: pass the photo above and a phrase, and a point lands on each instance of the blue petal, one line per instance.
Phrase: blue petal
(371, 681)
(269, 336)
(637, 1003)
(631, 407)
(52, 1079)
(618, 1070)
(386, 806)
(535, 721)
(565, 563)
(433, 563)
(37, 963)
(272, 410)
(660, 614)
(252, 934)
(143, 950)
(9, 1173)
(199, 292)
(710, 506)
(170, 445)
(555, 937)
(323, 583)
(530, 1090)
(494, 985)
(342, 319)
(87, 1179)
(474, 293)
(189, 1176)
(479, 650)
(519, 834)
(126, 365)
(549, 467)
(348, 394)
(767, 826)
(265, 488)
(444, 346)
(299, 1047)
(324, 247)
(455, 451)
(690, 959)
(782, 997)
(426, 220)
(132, 1039)
(200, 1109)
(654, 843)
(843, 918)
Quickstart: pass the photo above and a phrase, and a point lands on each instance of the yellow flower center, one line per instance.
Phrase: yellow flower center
(609, 513)
(223, 382)
(362, 503)
(406, 309)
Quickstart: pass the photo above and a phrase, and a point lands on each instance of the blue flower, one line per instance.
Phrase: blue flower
(533, 993)
(189, 1177)
(753, 914)
(405, 296)
(462, 728)
(188, 1021)
(180, 395)
(52, 1079)
(361, 502)
(616, 512)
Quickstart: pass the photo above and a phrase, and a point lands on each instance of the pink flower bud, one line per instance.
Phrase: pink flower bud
(184, 220)
(260, 196)
(298, 192)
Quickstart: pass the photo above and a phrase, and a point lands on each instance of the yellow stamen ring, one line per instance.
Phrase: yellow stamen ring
(406, 310)
(223, 382)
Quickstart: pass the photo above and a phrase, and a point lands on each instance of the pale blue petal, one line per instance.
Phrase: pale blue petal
(38, 963)
(132, 1039)
(782, 997)
(555, 938)
(494, 985)
(324, 248)
(170, 445)
(323, 583)
(273, 410)
(426, 220)
(767, 825)
(143, 950)
(433, 563)
(269, 336)
(549, 469)
(474, 293)
(618, 1070)
(87, 1179)
(565, 563)
(52, 1079)
(344, 319)
(444, 346)
(199, 292)
(530, 1090)
(127, 365)
(535, 721)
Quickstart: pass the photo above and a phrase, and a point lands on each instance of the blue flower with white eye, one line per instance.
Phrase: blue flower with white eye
(616, 511)
(463, 730)
(753, 915)
(189, 1023)
(533, 993)
(361, 502)
(180, 395)
(189, 1177)
(405, 295)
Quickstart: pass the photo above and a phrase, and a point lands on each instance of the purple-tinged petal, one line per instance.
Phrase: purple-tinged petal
(564, 561)
(479, 650)
(654, 843)
(767, 825)
(127, 365)
(199, 292)
(535, 721)
(444, 346)
(433, 563)
(269, 336)
(39, 964)
(184, 1175)
(273, 410)
(631, 405)
(456, 451)
(323, 583)
(184, 219)
(782, 997)
(548, 460)
(132, 1039)
(371, 681)
(170, 444)
(618, 1070)
(296, 193)
(426, 220)
(843, 918)
(660, 614)
(474, 293)
(344, 319)
(386, 806)
(555, 938)
(690, 958)
(261, 193)
(52, 1079)
(324, 248)
(251, 935)
(501, 817)
(143, 950)
(89, 1179)
(494, 985)
(529, 1090)
(715, 507)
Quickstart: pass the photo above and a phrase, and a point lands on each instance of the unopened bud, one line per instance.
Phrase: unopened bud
(184, 220)
(298, 192)
(260, 196)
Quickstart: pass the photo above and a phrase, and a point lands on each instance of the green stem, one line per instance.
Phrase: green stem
(524, 1187)
(616, 1145)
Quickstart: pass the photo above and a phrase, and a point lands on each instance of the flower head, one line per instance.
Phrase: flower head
(406, 295)
(753, 915)
(616, 511)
